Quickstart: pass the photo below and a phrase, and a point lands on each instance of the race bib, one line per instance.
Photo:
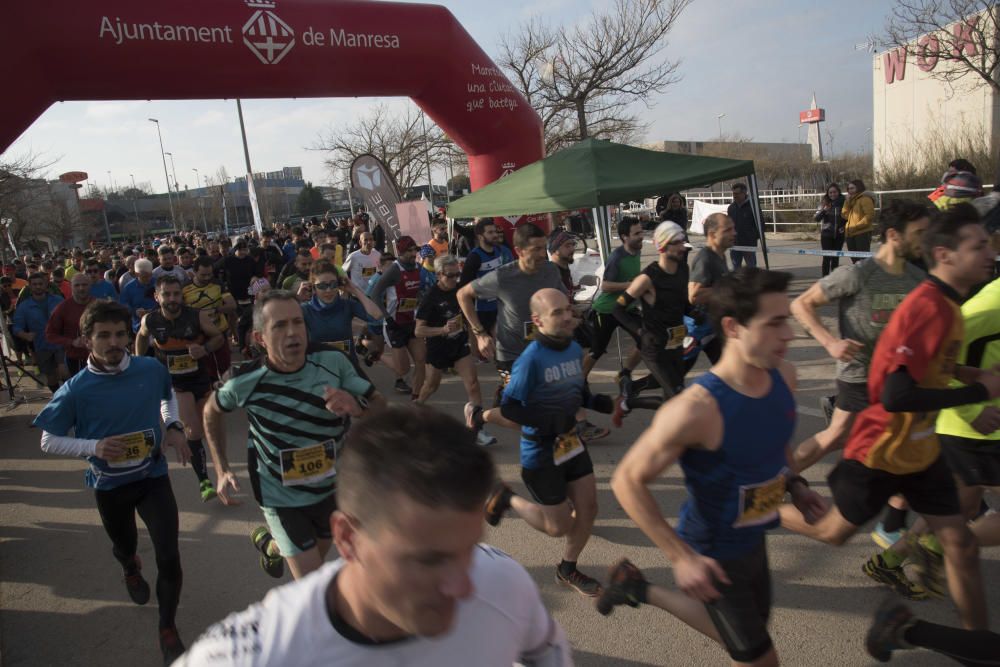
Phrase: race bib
(529, 332)
(181, 364)
(342, 345)
(675, 337)
(368, 271)
(306, 465)
(406, 305)
(567, 446)
(759, 502)
(138, 446)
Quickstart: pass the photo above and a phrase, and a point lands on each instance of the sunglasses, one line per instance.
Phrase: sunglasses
(451, 275)
(326, 286)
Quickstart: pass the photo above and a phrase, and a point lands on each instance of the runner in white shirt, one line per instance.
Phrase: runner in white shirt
(413, 585)
(362, 264)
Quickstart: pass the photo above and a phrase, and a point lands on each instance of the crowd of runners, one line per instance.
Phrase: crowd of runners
(146, 346)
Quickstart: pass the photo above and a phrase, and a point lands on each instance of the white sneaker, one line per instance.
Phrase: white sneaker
(484, 439)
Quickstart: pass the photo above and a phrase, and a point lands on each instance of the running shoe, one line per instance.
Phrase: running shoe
(402, 387)
(138, 588)
(929, 568)
(498, 503)
(171, 645)
(621, 409)
(262, 540)
(590, 431)
(207, 490)
(484, 439)
(625, 584)
(892, 618)
(826, 404)
(579, 582)
(893, 577)
(624, 381)
(885, 539)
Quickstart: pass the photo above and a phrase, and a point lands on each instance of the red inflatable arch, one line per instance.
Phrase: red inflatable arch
(207, 49)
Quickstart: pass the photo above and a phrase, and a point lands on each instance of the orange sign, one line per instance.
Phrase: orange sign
(73, 176)
(812, 116)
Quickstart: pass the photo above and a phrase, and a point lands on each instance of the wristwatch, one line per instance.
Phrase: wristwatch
(177, 425)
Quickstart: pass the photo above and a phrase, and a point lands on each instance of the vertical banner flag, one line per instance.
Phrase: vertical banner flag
(378, 189)
(252, 192)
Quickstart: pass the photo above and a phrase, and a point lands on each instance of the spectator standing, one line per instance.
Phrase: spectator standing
(747, 233)
(859, 212)
(831, 225)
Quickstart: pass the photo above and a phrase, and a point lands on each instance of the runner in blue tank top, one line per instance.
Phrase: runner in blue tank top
(730, 432)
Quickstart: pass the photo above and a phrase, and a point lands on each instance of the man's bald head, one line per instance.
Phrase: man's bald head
(552, 313)
(546, 300)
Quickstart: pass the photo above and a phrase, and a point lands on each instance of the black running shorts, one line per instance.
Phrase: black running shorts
(975, 462)
(852, 396)
(444, 353)
(741, 614)
(399, 335)
(296, 529)
(861, 492)
(548, 484)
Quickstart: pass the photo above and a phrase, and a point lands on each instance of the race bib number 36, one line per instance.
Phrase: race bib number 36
(138, 446)
(307, 465)
(759, 502)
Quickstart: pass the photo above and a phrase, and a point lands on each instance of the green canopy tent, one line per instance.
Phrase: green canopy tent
(598, 174)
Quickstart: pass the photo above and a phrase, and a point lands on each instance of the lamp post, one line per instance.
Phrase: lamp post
(719, 118)
(135, 209)
(177, 189)
(201, 202)
(170, 200)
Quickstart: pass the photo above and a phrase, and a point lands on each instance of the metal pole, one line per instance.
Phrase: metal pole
(251, 190)
(135, 209)
(170, 201)
(427, 159)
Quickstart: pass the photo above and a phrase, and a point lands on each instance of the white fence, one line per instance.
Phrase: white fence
(774, 204)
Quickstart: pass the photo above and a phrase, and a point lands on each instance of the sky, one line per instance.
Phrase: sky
(756, 61)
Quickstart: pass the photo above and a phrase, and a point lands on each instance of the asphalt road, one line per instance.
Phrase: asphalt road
(62, 601)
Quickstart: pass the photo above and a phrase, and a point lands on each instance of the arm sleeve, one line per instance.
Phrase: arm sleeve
(64, 445)
(389, 278)
(901, 394)
(469, 270)
(488, 286)
(227, 396)
(631, 322)
(169, 411)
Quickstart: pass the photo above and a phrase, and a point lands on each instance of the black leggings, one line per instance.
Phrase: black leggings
(666, 372)
(975, 648)
(153, 498)
(859, 243)
(831, 243)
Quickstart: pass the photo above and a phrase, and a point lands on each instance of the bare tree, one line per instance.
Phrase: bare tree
(959, 34)
(583, 80)
(399, 141)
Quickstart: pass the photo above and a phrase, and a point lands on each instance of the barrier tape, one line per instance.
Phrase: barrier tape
(779, 250)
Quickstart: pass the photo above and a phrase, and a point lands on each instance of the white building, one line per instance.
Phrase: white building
(914, 108)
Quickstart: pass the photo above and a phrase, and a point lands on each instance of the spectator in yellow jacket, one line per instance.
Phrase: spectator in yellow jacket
(859, 211)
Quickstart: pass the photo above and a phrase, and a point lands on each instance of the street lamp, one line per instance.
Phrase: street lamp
(201, 202)
(173, 168)
(135, 209)
(170, 200)
(719, 118)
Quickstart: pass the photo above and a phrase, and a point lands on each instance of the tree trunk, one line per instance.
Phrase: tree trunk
(581, 117)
